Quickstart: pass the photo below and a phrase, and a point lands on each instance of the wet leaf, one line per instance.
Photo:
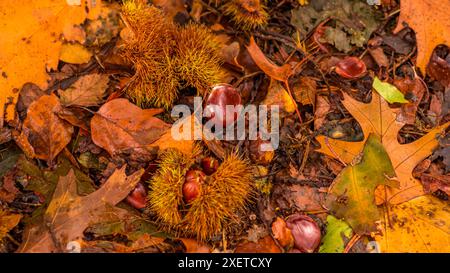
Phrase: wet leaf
(352, 194)
(338, 232)
(388, 91)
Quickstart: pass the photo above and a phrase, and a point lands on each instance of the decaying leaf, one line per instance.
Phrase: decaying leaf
(32, 33)
(419, 225)
(280, 73)
(69, 214)
(376, 117)
(429, 20)
(352, 194)
(120, 125)
(45, 131)
(86, 91)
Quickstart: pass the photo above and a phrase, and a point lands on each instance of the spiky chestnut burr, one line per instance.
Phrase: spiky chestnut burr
(246, 14)
(198, 57)
(222, 195)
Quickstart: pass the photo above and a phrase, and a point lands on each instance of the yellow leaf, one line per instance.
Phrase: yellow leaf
(74, 54)
(30, 42)
(277, 95)
(419, 225)
(376, 117)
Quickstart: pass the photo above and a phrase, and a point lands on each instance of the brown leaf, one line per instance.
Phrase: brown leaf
(7, 222)
(429, 20)
(281, 73)
(264, 245)
(120, 125)
(303, 198)
(45, 131)
(322, 109)
(69, 214)
(88, 90)
(439, 69)
(413, 89)
(193, 246)
(8, 190)
(304, 91)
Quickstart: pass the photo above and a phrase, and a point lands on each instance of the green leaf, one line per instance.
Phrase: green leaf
(337, 230)
(352, 195)
(389, 92)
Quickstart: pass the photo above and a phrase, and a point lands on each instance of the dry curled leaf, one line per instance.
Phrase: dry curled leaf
(88, 90)
(120, 125)
(281, 73)
(45, 131)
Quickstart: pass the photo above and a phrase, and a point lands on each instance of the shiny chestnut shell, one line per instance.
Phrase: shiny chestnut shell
(137, 198)
(222, 95)
(192, 185)
(351, 68)
(305, 231)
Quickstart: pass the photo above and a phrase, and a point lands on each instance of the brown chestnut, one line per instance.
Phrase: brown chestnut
(137, 198)
(306, 232)
(351, 68)
(192, 185)
(216, 104)
(209, 165)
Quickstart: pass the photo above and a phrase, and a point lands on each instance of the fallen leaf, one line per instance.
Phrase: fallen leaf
(304, 91)
(419, 225)
(264, 245)
(429, 20)
(193, 246)
(45, 131)
(321, 111)
(338, 232)
(388, 91)
(303, 198)
(7, 222)
(69, 214)
(352, 195)
(282, 233)
(439, 69)
(88, 90)
(171, 7)
(74, 54)
(32, 33)
(376, 117)
(277, 95)
(281, 73)
(120, 125)
(413, 89)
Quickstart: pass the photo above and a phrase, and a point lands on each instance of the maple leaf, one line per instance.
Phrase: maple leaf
(419, 225)
(429, 20)
(69, 214)
(352, 194)
(376, 117)
(31, 31)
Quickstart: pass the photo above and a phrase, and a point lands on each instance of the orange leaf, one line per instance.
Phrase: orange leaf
(376, 117)
(430, 21)
(280, 73)
(30, 41)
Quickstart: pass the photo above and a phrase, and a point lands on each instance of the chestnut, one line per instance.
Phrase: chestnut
(192, 185)
(306, 232)
(216, 104)
(137, 198)
(209, 165)
(351, 68)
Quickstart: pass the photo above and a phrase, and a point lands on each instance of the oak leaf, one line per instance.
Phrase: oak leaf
(419, 225)
(376, 117)
(120, 125)
(430, 21)
(69, 214)
(352, 195)
(46, 132)
(30, 41)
